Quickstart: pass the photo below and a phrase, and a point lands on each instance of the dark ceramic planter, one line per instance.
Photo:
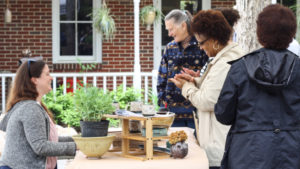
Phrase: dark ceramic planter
(94, 129)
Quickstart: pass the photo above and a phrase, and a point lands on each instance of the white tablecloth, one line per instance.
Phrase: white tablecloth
(196, 159)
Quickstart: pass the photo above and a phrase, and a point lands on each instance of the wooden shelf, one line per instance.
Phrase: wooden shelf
(148, 153)
(139, 137)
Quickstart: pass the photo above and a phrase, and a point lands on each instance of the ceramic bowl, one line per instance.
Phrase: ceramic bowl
(148, 110)
(93, 146)
(164, 121)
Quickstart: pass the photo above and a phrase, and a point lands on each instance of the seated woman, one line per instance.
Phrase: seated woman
(261, 99)
(213, 34)
(31, 137)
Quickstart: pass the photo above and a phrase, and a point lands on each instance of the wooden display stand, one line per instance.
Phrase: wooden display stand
(148, 153)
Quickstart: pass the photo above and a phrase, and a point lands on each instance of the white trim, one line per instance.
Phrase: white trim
(206, 4)
(157, 39)
(137, 66)
(97, 42)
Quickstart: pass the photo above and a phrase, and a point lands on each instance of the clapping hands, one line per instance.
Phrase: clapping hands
(186, 75)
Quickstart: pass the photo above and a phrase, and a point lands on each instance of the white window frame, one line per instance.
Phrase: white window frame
(97, 41)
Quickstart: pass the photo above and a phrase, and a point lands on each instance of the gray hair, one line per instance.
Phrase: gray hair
(180, 16)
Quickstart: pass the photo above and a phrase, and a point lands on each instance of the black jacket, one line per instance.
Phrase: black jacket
(261, 100)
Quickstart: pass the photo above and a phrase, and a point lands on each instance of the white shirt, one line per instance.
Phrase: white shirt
(294, 47)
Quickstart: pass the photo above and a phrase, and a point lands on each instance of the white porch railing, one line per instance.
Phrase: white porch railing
(89, 77)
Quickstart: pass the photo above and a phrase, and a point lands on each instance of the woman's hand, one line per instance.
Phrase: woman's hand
(185, 76)
(191, 72)
(179, 82)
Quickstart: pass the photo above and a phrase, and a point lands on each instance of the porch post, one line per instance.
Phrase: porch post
(137, 66)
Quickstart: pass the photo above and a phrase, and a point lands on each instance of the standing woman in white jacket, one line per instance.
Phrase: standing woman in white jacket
(213, 33)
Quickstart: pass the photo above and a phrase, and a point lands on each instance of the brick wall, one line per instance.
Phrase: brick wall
(32, 28)
(119, 55)
(222, 3)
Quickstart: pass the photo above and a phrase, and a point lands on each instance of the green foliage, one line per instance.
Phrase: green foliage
(113, 122)
(86, 67)
(153, 99)
(146, 9)
(62, 106)
(103, 21)
(124, 98)
(92, 103)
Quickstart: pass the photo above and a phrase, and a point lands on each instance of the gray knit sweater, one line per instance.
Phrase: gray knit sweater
(27, 133)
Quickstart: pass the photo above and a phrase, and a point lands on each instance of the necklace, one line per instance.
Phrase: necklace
(186, 41)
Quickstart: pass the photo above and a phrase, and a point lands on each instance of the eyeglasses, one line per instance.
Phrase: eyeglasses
(30, 60)
(202, 43)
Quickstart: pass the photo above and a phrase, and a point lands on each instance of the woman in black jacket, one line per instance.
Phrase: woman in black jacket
(261, 99)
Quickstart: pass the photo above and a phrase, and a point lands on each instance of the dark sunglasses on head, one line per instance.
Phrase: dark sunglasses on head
(30, 60)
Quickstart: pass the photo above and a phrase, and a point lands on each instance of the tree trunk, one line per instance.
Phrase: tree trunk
(298, 21)
(246, 26)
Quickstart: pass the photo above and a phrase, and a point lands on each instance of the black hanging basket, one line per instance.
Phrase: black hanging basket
(94, 129)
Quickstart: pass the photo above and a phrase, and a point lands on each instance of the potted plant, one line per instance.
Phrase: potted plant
(93, 103)
(149, 14)
(179, 148)
(103, 21)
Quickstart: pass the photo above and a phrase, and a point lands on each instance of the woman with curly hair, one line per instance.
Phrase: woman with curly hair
(260, 99)
(232, 16)
(213, 33)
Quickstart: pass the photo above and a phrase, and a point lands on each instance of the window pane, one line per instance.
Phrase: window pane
(84, 8)
(67, 10)
(67, 39)
(85, 39)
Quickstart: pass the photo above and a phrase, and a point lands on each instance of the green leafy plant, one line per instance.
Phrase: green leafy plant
(148, 12)
(153, 99)
(103, 21)
(86, 67)
(113, 122)
(92, 103)
(62, 106)
(124, 98)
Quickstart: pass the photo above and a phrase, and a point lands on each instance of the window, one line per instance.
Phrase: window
(73, 34)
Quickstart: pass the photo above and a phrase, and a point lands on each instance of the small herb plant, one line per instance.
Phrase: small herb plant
(153, 99)
(124, 98)
(92, 103)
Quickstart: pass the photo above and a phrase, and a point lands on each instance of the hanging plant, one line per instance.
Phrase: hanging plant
(149, 15)
(103, 21)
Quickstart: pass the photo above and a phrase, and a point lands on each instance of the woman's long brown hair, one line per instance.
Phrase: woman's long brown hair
(23, 88)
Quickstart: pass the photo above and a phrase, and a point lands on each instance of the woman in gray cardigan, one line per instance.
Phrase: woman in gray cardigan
(31, 138)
